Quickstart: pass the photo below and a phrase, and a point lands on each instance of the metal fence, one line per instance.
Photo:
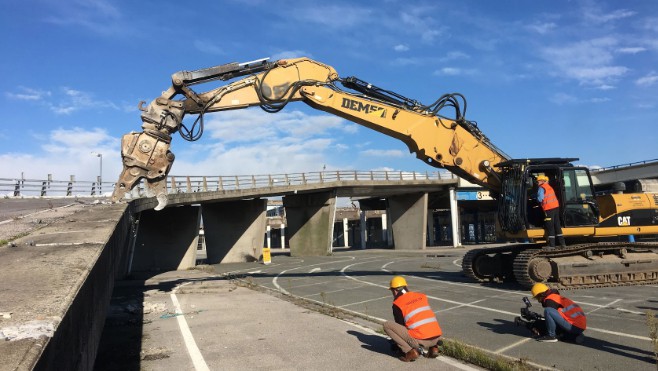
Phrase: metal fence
(240, 182)
(187, 184)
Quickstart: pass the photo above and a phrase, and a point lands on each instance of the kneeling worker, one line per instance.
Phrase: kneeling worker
(562, 315)
(415, 324)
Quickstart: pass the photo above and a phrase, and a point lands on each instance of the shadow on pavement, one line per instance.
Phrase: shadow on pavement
(508, 327)
(373, 343)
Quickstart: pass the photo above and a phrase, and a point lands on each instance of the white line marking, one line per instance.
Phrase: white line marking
(488, 309)
(454, 262)
(365, 301)
(514, 345)
(459, 306)
(192, 349)
(603, 306)
(315, 270)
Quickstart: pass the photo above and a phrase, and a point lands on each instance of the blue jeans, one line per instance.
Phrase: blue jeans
(555, 320)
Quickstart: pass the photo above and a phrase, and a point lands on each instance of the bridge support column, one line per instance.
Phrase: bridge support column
(310, 220)
(167, 239)
(408, 215)
(234, 230)
(454, 219)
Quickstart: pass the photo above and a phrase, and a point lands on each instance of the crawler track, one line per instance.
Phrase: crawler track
(576, 266)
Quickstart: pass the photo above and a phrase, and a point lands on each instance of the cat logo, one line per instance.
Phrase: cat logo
(367, 108)
(624, 220)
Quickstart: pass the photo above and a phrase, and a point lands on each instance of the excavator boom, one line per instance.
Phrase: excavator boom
(453, 143)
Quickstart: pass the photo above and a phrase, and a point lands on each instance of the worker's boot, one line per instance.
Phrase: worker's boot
(560, 240)
(433, 352)
(410, 356)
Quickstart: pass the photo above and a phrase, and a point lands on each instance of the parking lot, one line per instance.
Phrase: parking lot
(478, 314)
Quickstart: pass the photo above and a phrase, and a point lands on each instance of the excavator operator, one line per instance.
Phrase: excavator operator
(415, 327)
(551, 206)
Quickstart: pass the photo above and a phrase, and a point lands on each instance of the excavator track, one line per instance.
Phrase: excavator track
(576, 266)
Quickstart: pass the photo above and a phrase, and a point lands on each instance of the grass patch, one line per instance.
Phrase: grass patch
(478, 357)
(652, 322)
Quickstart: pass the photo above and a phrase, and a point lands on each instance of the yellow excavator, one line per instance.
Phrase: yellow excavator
(598, 228)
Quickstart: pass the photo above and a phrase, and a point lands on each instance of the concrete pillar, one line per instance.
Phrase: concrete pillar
(167, 239)
(283, 236)
(409, 220)
(310, 219)
(363, 229)
(234, 230)
(385, 229)
(346, 231)
(454, 219)
(430, 226)
(389, 233)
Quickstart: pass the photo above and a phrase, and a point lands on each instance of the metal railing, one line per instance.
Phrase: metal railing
(625, 165)
(188, 184)
(240, 182)
(53, 188)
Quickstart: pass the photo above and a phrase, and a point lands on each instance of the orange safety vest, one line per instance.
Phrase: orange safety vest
(570, 311)
(418, 316)
(550, 200)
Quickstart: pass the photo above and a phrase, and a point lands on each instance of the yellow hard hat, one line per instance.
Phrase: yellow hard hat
(542, 178)
(538, 288)
(398, 281)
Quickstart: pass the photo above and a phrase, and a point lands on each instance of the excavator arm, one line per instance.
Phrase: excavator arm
(452, 143)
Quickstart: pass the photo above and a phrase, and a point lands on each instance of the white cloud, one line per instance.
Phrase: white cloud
(590, 62)
(209, 47)
(401, 48)
(383, 153)
(631, 50)
(255, 125)
(69, 101)
(542, 28)
(648, 80)
(562, 98)
(68, 152)
(597, 16)
(454, 71)
(28, 94)
(417, 21)
(289, 54)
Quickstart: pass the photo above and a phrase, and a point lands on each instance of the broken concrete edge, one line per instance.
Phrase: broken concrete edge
(74, 341)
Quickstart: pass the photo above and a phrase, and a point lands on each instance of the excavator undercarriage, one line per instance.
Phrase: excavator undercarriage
(601, 264)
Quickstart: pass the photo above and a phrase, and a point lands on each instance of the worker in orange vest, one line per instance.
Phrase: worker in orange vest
(551, 206)
(415, 327)
(563, 316)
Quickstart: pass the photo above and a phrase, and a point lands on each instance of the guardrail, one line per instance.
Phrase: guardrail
(189, 184)
(625, 165)
(53, 188)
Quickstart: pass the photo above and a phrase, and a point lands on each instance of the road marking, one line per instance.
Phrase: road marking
(315, 270)
(603, 306)
(489, 309)
(365, 301)
(192, 349)
(459, 306)
(514, 345)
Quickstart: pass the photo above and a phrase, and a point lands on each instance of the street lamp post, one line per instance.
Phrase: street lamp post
(100, 176)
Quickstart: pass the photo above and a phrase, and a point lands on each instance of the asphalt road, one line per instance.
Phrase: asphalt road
(481, 315)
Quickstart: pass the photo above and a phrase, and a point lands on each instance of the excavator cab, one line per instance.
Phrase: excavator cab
(518, 207)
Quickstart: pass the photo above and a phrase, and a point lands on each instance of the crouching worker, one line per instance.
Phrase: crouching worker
(416, 327)
(563, 317)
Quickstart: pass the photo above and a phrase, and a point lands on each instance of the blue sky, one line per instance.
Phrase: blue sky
(541, 78)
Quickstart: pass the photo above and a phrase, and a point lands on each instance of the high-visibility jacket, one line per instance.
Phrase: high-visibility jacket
(419, 319)
(569, 310)
(550, 199)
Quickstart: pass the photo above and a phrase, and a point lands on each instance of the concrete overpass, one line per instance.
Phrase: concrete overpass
(233, 214)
